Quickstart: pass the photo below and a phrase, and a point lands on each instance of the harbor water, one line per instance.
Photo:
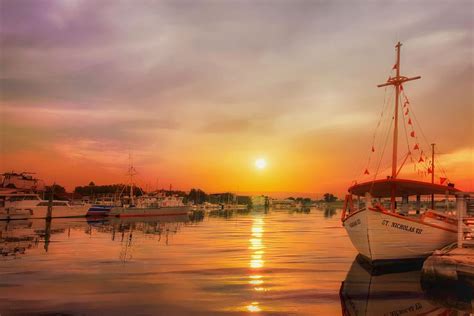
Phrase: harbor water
(283, 262)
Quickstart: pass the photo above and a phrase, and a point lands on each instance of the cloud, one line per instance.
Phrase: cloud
(166, 76)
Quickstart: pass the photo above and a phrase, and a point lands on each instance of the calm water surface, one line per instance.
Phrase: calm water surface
(276, 262)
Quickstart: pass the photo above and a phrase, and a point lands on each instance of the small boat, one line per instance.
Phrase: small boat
(19, 205)
(400, 229)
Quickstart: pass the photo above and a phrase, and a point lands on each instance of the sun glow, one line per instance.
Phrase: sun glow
(260, 163)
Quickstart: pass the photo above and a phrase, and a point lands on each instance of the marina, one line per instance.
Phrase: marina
(214, 158)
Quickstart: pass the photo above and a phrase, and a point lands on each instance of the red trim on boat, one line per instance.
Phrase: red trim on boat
(380, 209)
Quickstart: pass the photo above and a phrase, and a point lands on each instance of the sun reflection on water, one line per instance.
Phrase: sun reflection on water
(256, 279)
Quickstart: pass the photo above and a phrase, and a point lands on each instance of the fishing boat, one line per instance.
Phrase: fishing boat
(385, 218)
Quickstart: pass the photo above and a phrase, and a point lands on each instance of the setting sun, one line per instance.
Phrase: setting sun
(260, 163)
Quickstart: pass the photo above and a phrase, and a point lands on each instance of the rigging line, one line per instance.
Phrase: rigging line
(405, 129)
(425, 139)
(417, 123)
(438, 162)
(388, 166)
(383, 150)
(387, 121)
(379, 124)
(386, 101)
(384, 108)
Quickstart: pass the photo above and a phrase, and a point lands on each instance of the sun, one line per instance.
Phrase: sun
(260, 163)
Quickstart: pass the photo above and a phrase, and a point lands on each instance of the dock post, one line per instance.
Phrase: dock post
(418, 204)
(460, 211)
(368, 200)
(49, 214)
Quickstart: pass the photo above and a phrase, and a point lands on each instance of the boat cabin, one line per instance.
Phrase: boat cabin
(401, 196)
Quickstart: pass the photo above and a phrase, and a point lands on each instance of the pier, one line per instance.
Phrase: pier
(456, 261)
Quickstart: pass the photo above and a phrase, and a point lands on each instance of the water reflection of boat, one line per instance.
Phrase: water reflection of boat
(16, 237)
(397, 292)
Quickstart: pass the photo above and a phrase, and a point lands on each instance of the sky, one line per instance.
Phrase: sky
(197, 91)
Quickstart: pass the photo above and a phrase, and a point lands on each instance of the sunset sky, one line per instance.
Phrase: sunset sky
(197, 91)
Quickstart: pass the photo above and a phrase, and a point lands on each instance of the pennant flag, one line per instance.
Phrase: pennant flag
(366, 171)
(442, 180)
(430, 170)
(401, 88)
(405, 104)
(394, 66)
(409, 121)
(421, 159)
(406, 113)
(373, 149)
(412, 134)
(416, 147)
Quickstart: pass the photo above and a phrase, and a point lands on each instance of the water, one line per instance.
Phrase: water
(277, 262)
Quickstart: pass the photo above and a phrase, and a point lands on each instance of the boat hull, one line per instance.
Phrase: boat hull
(148, 211)
(41, 212)
(383, 236)
(99, 210)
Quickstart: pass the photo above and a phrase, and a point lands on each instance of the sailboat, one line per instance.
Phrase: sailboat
(399, 230)
(142, 206)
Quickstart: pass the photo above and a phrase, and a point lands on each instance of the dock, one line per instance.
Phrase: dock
(456, 261)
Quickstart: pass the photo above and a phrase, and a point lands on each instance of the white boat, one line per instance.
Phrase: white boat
(401, 230)
(381, 234)
(18, 205)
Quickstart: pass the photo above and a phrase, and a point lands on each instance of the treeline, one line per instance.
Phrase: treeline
(198, 196)
(108, 189)
(301, 200)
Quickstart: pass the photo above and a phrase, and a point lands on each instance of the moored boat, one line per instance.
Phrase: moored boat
(401, 230)
(19, 205)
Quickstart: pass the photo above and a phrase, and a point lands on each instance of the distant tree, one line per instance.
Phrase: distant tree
(329, 197)
(197, 196)
(109, 189)
(244, 200)
(91, 184)
(59, 191)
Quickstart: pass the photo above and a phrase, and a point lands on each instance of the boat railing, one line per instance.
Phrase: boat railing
(349, 208)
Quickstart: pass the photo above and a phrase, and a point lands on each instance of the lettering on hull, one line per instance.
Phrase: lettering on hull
(354, 223)
(404, 227)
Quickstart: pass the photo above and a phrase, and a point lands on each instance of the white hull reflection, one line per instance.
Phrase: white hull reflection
(394, 293)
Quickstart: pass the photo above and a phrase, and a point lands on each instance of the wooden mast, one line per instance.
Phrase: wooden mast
(397, 82)
(432, 172)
